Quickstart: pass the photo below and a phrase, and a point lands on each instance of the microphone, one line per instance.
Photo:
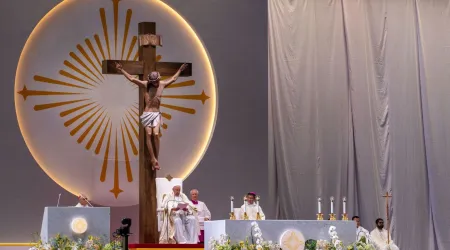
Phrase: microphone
(59, 197)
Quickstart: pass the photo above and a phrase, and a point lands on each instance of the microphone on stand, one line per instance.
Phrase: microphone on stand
(59, 197)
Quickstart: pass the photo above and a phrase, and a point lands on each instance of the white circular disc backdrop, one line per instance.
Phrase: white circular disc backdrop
(82, 126)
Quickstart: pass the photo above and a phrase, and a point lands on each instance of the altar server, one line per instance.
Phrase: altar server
(251, 208)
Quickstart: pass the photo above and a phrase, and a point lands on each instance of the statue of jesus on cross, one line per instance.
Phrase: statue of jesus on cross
(149, 70)
(151, 118)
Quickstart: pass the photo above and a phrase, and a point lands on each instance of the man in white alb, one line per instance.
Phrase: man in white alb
(360, 231)
(203, 213)
(83, 201)
(379, 237)
(251, 208)
(180, 225)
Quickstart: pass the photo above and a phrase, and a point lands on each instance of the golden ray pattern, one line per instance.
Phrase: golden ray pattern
(130, 139)
(55, 104)
(92, 50)
(88, 58)
(125, 35)
(73, 67)
(105, 30)
(70, 111)
(86, 132)
(68, 75)
(100, 143)
(51, 81)
(132, 45)
(127, 159)
(86, 116)
(105, 157)
(91, 141)
(116, 189)
(99, 45)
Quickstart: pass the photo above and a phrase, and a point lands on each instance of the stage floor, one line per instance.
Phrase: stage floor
(165, 246)
(26, 246)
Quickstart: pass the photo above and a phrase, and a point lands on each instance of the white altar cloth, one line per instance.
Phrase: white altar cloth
(273, 230)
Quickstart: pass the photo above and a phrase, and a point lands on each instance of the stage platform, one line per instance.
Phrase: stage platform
(26, 246)
(165, 246)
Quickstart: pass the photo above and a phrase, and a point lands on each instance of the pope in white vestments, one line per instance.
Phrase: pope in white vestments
(203, 213)
(179, 225)
(251, 208)
(379, 237)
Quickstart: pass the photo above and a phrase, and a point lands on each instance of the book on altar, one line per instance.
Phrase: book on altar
(182, 206)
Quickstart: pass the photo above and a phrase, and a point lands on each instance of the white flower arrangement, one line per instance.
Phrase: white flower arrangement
(335, 239)
(362, 244)
(224, 242)
(322, 245)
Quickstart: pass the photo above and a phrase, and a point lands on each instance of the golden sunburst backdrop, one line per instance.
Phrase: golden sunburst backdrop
(82, 126)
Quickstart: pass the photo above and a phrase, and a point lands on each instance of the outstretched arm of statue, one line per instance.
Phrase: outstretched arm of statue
(171, 80)
(129, 77)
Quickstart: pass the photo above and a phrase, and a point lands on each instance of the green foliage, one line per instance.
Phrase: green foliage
(62, 242)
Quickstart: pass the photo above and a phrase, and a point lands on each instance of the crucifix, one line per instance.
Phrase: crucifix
(387, 196)
(148, 40)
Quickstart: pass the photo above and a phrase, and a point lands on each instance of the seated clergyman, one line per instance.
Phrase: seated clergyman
(251, 208)
(379, 237)
(180, 221)
(360, 231)
(203, 213)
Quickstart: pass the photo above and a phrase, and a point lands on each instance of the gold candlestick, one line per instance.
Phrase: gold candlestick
(320, 216)
(258, 215)
(319, 209)
(344, 203)
(332, 216)
(232, 216)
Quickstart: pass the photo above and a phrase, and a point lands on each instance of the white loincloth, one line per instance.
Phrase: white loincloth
(151, 119)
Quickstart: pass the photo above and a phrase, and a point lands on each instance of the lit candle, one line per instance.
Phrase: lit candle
(232, 207)
(344, 200)
(319, 209)
(332, 203)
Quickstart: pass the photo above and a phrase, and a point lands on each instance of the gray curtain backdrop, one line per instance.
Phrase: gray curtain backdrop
(359, 105)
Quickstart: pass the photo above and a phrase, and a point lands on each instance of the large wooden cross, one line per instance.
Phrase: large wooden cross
(387, 196)
(148, 223)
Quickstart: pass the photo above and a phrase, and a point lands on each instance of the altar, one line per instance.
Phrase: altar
(280, 230)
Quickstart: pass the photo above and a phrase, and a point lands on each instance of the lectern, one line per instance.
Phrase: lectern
(76, 223)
